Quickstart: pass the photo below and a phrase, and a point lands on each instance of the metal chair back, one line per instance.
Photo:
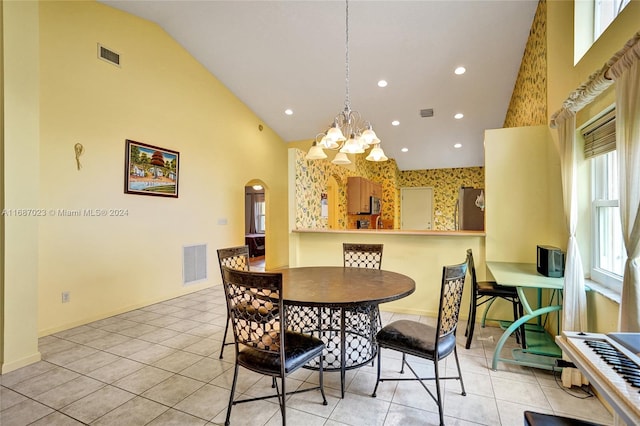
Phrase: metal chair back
(362, 255)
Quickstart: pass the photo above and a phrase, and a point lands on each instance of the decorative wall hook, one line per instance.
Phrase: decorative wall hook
(79, 149)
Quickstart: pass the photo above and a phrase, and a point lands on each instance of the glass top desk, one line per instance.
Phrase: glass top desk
(541, 351)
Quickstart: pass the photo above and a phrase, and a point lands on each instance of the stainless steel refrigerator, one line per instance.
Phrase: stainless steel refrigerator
(470, 209)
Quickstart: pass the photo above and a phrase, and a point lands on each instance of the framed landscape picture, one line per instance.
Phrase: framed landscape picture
(151, 170)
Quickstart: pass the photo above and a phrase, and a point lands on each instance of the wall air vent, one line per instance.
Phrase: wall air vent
(194, 264)
(424, 113)
(108, 55)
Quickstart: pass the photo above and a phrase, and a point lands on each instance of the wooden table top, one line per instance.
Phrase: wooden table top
(339, 287)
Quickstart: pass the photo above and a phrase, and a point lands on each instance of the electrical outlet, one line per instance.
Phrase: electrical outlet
(66, 296)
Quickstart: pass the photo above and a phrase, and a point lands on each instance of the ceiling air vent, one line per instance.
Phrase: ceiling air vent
(108, 55)
(424, 113)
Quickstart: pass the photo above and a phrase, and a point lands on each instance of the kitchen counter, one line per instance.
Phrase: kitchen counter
(394, 232)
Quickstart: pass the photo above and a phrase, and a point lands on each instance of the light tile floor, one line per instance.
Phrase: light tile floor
(159, 365)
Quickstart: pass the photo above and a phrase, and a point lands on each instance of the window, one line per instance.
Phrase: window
(605, 11)
(608, 252)
(591, 18)
(260, 215)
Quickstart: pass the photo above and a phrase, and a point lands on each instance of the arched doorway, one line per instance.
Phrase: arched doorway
(255, 208)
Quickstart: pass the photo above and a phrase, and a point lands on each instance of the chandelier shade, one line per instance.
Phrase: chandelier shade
(347, 122)
(316, 153)
(341, 158)
(376, 154)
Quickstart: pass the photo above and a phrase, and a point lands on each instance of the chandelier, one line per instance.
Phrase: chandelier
(349, 133)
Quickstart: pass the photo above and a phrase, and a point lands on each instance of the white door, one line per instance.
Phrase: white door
(416, 208)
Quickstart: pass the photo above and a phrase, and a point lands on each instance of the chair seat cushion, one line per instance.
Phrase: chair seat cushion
(415, 338)
(299, 349)
(494, 289)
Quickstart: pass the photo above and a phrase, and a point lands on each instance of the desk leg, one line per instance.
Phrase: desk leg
(525, 302)
(343, 349)
(514, 326)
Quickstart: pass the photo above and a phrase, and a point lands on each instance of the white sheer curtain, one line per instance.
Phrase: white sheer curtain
(574, 305)
(624, 68)
(626, 73)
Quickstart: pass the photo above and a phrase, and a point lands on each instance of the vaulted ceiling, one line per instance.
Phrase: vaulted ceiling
(278, 55)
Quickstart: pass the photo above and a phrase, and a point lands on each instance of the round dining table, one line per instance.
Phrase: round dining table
(340, 306)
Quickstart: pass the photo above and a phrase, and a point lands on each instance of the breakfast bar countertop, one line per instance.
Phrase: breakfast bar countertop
(395, 232)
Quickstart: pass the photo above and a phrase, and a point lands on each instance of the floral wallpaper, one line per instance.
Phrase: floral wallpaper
(445, 184)
(312, 179)
(528, 106)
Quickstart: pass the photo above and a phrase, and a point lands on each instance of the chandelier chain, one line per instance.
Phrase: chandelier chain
(348, 134)
(347, 101)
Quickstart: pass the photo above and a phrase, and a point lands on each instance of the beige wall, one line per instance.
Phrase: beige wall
(160, 96)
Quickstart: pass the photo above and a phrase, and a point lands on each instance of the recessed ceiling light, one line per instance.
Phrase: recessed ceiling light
(395, 123)
(460, 70)
(458, 116)
(458, 145)
(405, 150)
(382, 83)
(288, 111)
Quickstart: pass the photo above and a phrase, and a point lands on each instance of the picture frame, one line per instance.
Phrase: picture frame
(151, 170)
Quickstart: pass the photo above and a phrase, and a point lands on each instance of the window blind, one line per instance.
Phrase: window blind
(600, 135)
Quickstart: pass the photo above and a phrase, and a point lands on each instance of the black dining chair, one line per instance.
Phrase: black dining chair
(486, 292)
(234, 258)
(362, 255)
(357, 255)
(427, 342)
(263, 342)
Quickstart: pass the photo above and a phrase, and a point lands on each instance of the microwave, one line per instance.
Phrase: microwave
(376, 205)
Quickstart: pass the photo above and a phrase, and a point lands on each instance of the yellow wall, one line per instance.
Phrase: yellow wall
(523, 193)
(160, 96)
(20, 184)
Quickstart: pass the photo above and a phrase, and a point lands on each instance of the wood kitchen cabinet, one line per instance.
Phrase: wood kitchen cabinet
(376, 190)
(359, 193)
